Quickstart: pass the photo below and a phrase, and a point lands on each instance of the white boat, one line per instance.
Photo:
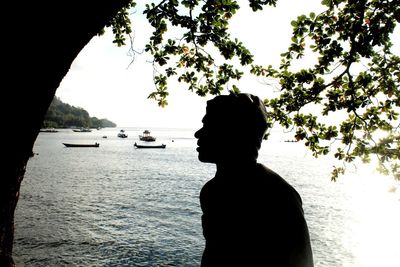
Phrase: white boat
(122, 134)
(49, 130)
(82, 130)
(147, 137)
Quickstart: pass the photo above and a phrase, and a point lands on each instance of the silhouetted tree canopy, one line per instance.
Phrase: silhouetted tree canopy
(356, 71)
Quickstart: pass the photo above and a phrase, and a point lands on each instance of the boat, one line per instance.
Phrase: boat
(48, 130)
(147, 137)
(81, 145)
(149, 146)
(122, 134)
(82, 130)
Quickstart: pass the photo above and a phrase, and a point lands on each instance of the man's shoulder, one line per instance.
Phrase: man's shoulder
(264, 170)
(276, 182)
(267, 175)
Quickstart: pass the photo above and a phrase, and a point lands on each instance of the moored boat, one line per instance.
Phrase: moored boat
(122, 134)
(149, 146)
(82, 130)
(81, 145)
(48, 130)
(147, 137)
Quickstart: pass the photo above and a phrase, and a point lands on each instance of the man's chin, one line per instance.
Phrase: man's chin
(206, 159)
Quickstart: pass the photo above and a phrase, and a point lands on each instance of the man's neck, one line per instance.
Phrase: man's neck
(235, 167)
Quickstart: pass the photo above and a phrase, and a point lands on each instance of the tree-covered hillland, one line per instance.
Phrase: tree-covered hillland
(63, 115)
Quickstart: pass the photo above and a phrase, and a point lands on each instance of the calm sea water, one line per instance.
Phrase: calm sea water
(120, 206)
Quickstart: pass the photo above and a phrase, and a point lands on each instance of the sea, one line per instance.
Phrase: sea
(117, 205)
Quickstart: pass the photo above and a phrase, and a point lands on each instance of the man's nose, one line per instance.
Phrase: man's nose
(197, 133)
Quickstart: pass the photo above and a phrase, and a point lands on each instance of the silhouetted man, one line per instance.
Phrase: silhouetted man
(251, 216)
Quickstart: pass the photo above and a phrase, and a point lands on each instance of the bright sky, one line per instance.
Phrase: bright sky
(101, 82)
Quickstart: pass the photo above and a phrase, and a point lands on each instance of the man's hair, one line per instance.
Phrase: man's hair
(243, 113)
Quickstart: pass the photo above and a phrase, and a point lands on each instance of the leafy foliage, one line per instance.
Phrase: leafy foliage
(204, 27)
(355, 73)
(121, 24)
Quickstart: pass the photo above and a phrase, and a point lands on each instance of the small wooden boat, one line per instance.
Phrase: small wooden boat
(81, 145)
(149, 146)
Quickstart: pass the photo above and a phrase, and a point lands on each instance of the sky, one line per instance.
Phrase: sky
(103, 81)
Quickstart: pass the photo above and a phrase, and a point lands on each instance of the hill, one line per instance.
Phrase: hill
(63, 115)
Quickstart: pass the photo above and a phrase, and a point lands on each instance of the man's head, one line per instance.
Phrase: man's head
(233, 129)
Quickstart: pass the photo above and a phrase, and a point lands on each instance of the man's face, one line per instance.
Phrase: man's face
(210, 140)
